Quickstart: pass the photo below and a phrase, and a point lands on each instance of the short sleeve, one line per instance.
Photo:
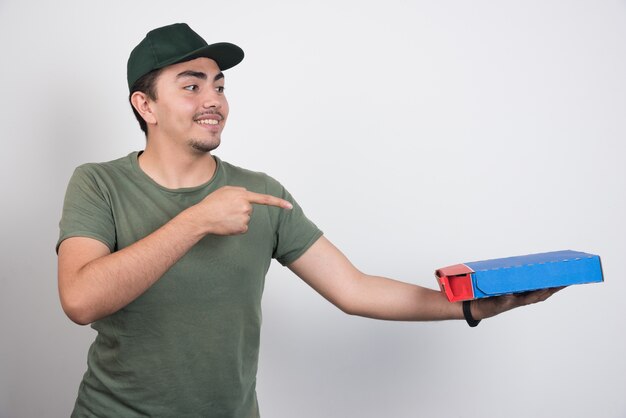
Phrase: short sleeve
(86, 209)
(295, 233)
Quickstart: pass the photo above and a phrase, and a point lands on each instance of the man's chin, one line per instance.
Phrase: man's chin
(204, 146)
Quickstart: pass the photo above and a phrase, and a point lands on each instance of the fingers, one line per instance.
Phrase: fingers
(269, 200)
(492, 306)
(541, 295)
(228, 210)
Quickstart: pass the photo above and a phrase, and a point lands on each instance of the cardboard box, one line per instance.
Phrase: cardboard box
(481, 279)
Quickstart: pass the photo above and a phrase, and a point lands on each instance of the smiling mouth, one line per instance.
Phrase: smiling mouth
(208, 121)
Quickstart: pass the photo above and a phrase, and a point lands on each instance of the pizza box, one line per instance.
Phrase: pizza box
(481, 279)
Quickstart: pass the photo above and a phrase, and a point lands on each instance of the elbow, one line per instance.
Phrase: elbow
(343, 309)
(347, 306)
(76, 309)
(78, 320)
(352, 310)
(77, 315)
(349, 299)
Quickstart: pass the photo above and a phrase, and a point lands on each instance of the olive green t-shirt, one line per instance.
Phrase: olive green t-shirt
(189, 346)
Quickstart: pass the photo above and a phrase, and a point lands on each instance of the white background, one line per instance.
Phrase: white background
(416, 134)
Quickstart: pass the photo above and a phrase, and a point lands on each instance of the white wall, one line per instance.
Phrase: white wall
(416, 134)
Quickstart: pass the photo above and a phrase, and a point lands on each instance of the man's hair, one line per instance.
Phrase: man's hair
(147, 85)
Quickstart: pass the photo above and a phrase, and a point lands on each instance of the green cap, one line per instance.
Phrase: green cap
(173, 44)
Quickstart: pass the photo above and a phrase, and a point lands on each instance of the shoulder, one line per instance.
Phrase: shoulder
(253, 180)
(101, 173)
(101, 177)
(113, 166)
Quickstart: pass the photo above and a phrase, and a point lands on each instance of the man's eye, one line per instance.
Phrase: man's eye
(193, 87)
(220, 89)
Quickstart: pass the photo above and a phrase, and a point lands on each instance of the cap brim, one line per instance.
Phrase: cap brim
(225, 54)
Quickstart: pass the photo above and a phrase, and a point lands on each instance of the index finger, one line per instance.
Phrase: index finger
(268, 200)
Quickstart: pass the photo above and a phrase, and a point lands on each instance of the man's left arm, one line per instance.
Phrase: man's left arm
(327, 270)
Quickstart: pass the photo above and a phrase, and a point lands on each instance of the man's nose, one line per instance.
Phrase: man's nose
(211, 99)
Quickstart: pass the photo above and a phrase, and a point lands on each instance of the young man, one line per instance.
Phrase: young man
(164, 252)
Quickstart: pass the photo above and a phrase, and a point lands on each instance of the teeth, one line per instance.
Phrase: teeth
(208, 121)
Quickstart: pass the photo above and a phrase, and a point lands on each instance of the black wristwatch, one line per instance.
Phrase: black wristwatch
(467, 313)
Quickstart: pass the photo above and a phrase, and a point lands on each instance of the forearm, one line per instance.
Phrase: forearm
(108, 283)
(328, 270)
(383, 298)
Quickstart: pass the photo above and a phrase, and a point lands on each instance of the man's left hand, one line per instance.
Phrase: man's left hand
(492, 306)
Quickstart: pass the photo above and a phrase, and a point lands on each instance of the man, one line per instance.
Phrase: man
(164, 252)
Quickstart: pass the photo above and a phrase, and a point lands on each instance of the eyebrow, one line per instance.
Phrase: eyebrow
(199, 74)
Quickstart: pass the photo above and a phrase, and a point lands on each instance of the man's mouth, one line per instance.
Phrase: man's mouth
(208, 118)
(208, 121)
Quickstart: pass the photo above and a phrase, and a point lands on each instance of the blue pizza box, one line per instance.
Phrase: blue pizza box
(501, 276)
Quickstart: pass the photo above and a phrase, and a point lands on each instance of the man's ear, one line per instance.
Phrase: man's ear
(141, 103)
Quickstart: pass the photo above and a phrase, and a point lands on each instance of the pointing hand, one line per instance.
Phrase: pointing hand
(227, 211)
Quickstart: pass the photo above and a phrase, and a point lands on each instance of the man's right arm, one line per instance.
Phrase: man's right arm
(94, 283)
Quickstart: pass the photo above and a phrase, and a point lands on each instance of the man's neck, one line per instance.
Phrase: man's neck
(176, 167)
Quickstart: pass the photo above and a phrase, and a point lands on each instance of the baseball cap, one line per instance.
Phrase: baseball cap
(176, 43)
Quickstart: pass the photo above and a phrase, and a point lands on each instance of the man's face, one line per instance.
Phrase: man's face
(191, 108)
